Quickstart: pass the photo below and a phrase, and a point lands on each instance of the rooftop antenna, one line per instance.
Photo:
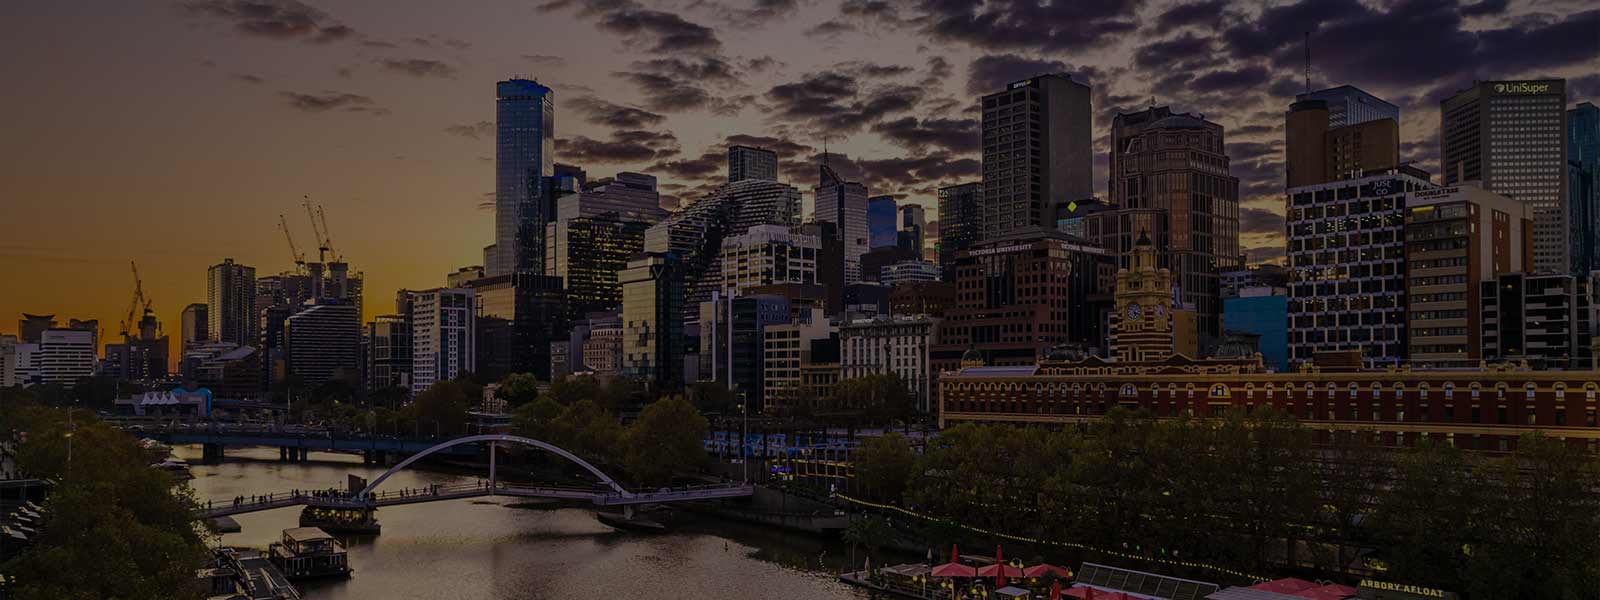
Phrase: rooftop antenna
(1308, 62)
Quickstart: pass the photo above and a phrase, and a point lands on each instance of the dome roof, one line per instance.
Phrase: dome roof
(1178, 122)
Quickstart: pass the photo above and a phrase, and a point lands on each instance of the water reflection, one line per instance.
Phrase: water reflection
(485, 549)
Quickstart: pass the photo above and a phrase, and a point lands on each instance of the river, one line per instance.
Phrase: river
(491, 549)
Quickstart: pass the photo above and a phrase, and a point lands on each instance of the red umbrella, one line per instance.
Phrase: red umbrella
(1046, 570)
(994, 571)
(1000, 574)
(1055, 590)
(1287, 585)
(1089, 593)
(954, 568)
(1332, 591)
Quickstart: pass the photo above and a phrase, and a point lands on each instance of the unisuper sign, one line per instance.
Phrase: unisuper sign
(1521, 87)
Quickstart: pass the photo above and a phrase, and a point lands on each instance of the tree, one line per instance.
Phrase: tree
(668, 437)
(518, 389)
(712, 397)
(588, 430)
(883, 466)
(441, 409)
(536, 418)
(108, 510)
(866, 530)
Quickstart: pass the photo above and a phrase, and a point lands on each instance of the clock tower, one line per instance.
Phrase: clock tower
(1142, 327)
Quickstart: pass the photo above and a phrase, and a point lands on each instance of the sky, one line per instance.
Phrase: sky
(174, 133)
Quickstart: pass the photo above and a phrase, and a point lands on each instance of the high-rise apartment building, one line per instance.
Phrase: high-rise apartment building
(1347, 266)
(913, 228)
(231, 304)
(786, 349)
(960, 223)
(695, 233)
(844, 203)
(64, 355)
(881, 217)
(1544, 319)
(443, 336)
(1456, 238)
(593, 236)
(1583, 189)
(1511, 136)
(525, 138)
(1037, 153)
(652, 318)
(1339, 133)
(767, 255)
(322, 343)
(1169, 179)
(192, 324)
(518, 316)
(387, 353)
(747, 162)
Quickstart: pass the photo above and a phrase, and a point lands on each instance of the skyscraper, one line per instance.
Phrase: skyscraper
(443, 340)
(1511, 135)
(844, 203)
(1339, 133)
(1170, 179)
(746, 162)
(193, 325)
(694, 235)
(230, 304)
(1037, 153)
(881, 221)
(652, 319)
(960, 223)
(1457, 238)
(913, 222)
(525, 120)
(388, 353)
(518, 316)
(593, 236)
(322, 343)
(1583, 191)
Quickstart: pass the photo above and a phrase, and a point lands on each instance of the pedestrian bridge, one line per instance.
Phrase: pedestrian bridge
(606, 492)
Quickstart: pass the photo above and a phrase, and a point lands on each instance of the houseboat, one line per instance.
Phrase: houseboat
(308, 552)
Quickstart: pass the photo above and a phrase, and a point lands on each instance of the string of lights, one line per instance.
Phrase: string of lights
(1074, 545)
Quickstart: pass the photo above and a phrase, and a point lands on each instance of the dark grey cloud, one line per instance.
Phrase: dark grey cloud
(939, 70)
(871, 70)
(248, 78)
(1039, 25)
(669, 93)
(835, 103)
(829, 30)
(751, 13)
(693, 169)
(545, 60)
(1205, 12)
(1264, 254)
(276, 19)
(625, 146)
(481, 129)
(418, 67)
(1236, 80)
(988, 74)
(1187, 48)
(954, 135)
(1259, 220)
(601, 112)
(329, 101)
(644, 28)
(700, 70)
(1485, 8)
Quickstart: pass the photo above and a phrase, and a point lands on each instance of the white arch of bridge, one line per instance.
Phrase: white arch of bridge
(492, 438)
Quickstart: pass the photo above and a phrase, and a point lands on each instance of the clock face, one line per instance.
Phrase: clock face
(1134, 311)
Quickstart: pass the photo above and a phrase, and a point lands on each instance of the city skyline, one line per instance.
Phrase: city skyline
(242, 108)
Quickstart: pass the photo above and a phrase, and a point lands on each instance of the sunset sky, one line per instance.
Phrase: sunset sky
(174, 133)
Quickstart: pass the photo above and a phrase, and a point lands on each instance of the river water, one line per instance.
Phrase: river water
(504, 548)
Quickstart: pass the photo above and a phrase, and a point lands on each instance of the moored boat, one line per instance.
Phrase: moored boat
(309, 552)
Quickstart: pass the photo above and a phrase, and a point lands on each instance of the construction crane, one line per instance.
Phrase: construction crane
(138, 303)
(299, 258)
(322, 243)
(327, 236)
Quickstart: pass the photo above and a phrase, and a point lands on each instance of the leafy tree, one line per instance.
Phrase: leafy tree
(441, 409)
(667, 438)
(518, 389)
(866, 530)
(712, 397)
(391, 397)
(588, 430)
(883, 465)
(535, 419)
(115, 528)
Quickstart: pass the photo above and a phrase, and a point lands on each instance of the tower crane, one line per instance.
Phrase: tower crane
(138, 303)
(327, 236)
(299, 258)
(322, 242)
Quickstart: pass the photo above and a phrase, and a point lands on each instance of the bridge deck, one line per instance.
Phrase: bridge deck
(456, 492)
